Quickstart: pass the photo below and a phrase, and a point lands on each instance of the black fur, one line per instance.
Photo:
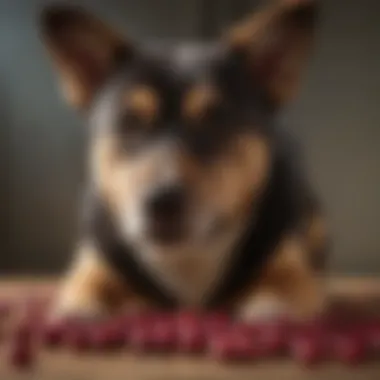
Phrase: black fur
(245, 107)
(282, 210)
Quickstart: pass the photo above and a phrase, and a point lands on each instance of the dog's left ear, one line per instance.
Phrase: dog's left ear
(83, 49)
(274, 46)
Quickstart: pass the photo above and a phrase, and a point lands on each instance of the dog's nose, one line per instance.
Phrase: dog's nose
(167, 203)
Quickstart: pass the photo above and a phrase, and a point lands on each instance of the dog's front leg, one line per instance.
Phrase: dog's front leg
(90, 289)
(289, 287)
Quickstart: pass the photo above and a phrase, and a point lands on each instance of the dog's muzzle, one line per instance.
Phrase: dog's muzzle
(165, 212)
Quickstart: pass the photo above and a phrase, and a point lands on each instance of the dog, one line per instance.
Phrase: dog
(196, 197)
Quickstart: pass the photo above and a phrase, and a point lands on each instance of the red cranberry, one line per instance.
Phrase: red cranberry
(21, 354)
(231, 346)
(249, 329)
(5, 309)
(191, 332)
(36, 305)
(191, 340)
(142, 320)
(140, 339)
(125, 324)
(373, 336)
(350, 348)
(158, 335)
(189, 319)
(53, 334)
(78, 338)
(125, 320)
(272, 338)
(307, 349)
(216, 322)
(108, 336)
(164, 337)
(23, 331)
(312, 327)
(34, 323)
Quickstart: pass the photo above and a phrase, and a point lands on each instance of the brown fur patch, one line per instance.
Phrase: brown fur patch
(289, 278)
(240, 175)
(91, 287)
(82, 48)
(143, 102)
(317, 239)
(284, 83)
(278, 41)
(243, 34)
(199, 100)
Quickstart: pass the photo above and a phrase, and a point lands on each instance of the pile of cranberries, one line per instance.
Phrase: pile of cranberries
(217, 335)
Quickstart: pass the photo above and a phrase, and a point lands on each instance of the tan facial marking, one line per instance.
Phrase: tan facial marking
(143, 102)
(199, 100)
(109, 170)
(103, 159)
(239, 176)
(235, 180)
(123, 180)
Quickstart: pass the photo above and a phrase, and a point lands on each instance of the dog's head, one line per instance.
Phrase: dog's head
(180, 136)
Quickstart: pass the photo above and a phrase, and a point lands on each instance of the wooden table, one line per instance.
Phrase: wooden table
(63, 366)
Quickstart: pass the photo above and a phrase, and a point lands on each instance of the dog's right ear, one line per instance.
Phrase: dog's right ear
(84, 50)
(275, 45)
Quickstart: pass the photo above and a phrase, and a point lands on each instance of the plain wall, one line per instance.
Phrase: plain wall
(337, 119)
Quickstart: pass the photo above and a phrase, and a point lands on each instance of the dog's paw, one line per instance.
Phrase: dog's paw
(78, 309)
(264, 308)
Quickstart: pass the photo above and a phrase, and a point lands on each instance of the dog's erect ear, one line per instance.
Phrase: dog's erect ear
(83, 49)
(275, 44)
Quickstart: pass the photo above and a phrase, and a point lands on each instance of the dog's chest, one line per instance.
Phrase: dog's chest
(192, 273)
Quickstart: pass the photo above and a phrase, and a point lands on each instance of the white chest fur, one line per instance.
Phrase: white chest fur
(192, 272)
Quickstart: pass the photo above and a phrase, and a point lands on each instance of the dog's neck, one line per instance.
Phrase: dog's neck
(192, 271)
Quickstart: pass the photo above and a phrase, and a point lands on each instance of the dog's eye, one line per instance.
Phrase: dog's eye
(131, 133)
